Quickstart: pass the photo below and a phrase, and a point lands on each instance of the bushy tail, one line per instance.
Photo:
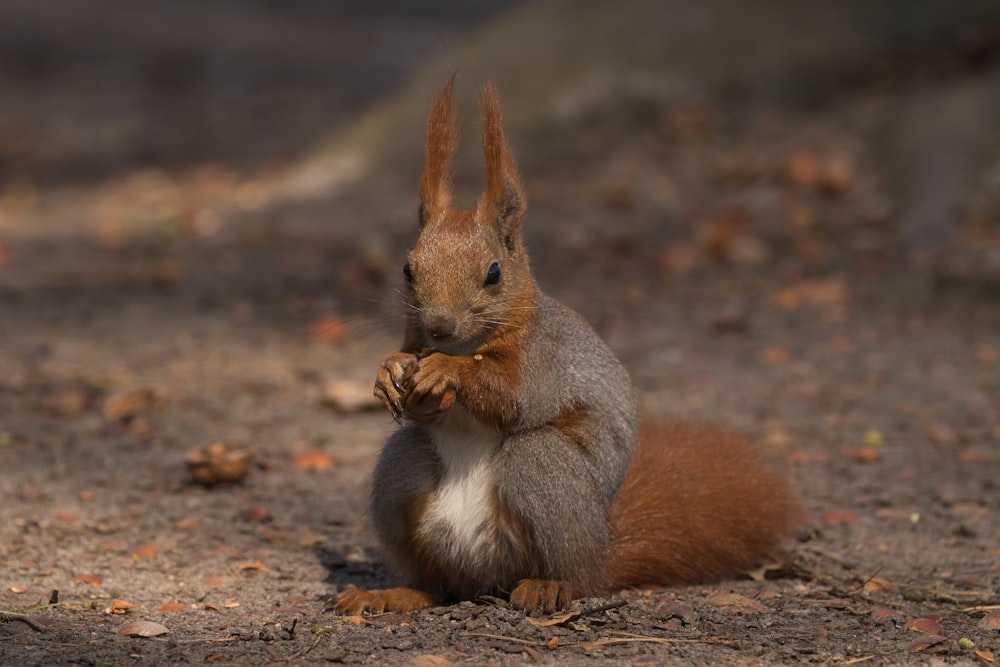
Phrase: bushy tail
(697, 505)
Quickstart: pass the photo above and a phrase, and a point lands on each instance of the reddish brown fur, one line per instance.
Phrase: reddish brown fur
(353, 600)
(697, 505)
(442, 139)
(504, 193)
(488, 384)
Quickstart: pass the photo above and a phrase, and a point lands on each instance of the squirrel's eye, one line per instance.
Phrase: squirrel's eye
(407, 272)
(492, 275)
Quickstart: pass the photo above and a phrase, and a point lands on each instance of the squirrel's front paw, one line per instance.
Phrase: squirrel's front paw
(390, 382)
(433, 386)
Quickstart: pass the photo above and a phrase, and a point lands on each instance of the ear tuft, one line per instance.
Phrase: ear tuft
(503, 201)
(442, 139)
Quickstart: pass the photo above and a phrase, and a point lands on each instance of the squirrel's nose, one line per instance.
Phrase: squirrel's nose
(439, 325)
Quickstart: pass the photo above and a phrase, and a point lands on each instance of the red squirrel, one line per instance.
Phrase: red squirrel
(519, 467)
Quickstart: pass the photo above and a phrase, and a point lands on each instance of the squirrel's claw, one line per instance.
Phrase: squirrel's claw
(542, 595)
(392, 380)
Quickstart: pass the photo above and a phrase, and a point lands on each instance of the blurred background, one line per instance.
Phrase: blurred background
(181, 113)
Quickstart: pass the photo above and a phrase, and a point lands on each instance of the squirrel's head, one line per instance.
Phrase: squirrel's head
(467, 277)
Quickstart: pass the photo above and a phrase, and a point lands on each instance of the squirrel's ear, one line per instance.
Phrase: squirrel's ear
(503, 203)
(435, 183)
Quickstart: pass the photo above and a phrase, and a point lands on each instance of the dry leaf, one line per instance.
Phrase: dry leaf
(927, 641)
(928, 625)
(803, 169)
(257, 513)
(142, 629)
(128, 404)
(312, 459)
(990, 621)
(837, 175)
(91, 579)
(119, 607)
(249, 568)
(18, 589)
(356, 620)
(144, 551)
(974, 455)
(877, 584)
(807, 456)
(188, 523)
(863, 454)
(773, 356)
(171, 606)
(987, 355)
(985, 657)
(735, 603)
(811, 293)
(891, 614)
(431, 661)
(69, 400)
(970, 509)
(832, 517)
(557, 619)
(219, 462)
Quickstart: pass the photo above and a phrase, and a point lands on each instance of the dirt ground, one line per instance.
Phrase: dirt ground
(746, 269)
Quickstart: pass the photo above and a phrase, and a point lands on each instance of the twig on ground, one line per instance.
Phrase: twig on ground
(8, 617)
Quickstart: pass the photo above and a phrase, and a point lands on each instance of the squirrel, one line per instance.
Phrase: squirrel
(519, 467)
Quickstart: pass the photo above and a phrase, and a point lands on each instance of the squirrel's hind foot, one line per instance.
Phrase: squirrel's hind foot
(354, 600)
(543, 596)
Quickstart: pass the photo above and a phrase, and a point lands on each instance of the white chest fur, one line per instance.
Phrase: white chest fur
(462, 506)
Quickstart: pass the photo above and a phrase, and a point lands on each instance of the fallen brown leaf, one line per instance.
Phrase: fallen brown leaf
(142, 629)
(927, 641)
(772, 356)
(219, 462)
(837, 175)
(91, 579)
(557, 619)
(877, 584)
(886, 614)
(928, 625)
(312, 459)
(356, 620)
(257, 513)
(985, 657)
(735, 603)
(144, 551)
(990, 621)
(119, 607)
(864, 454)
(431, 661)
(69, 400)
(171, 606)
(127, 404)
(807, 456)
(249, 568)
(803, 169)
(832, 517)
